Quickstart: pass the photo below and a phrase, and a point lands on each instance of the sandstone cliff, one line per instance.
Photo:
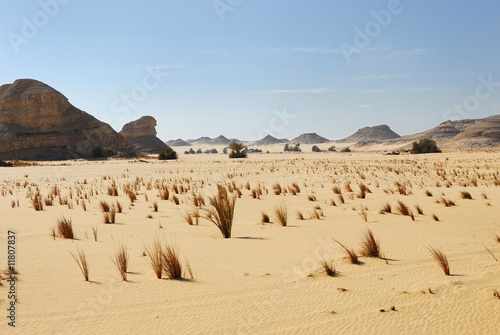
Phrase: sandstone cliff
(38, 122)
(141, 134)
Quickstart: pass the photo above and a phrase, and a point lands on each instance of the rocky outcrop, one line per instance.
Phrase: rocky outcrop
(268, 140)
(38, 122)
(309, 138)
(178, 143)
(141, 134)
(371, 134)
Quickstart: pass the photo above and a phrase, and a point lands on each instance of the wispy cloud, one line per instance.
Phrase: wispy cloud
(363, 106)
(380, 76)
(306, 90)
(423, 89)
(303, 50)
(372, 91)
(413, 52)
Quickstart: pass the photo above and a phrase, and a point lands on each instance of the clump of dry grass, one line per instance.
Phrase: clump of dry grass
(497, 238)
(403, 209)
(118, 207)
(104, 206)
(363, 213)
(121, 261)
(465, 195)
(221, 210)
(315, 214)
(65, 228)
(311, 197)
(94, 232)
(164, 259)
(110, 217)
(175, 199)
(370, 247)
(446, 202)
(155, 206)
(281, 214)
(347, 187)
(264, 217)
(155, 255)
(329, 268)
(428, 193)
(496, 294)
(337, 190)
(187, 217)
(341, 198)
(434, 217)
(53, 232)
(352, 257)
(37, 203)
(386, 208)
(81, 259)
(299, 215)
(441, 259)
(419, 210)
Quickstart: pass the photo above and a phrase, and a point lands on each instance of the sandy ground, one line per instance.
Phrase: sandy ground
(266, 279)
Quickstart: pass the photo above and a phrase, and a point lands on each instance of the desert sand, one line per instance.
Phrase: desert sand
(266, 278)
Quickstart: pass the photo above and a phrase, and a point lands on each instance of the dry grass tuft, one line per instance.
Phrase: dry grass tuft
(299, 215)
(386, 208)
(497, 238)
(496, 294)
(121, 261)
(94, 232)
(37, 203)
(110, 217)
(350, 253)
(363, 213)
(65, 228)
(187, 217)
(465, 195)
(281, 214)
(419, 210)
(441, 259)
(104, 206)
(155, 206)
(171, 264)
(428, 193)
(264, 218)
(221, 210)
(82, 262)
(434, 216)
(155, 255)
(370, 246)
(329, 268)
(446, 202)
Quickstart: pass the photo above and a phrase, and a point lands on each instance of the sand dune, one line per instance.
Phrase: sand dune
(266, 279)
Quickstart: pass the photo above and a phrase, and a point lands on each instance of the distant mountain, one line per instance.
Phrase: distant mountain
(371, 134)
(268, 140)
(467, 134)
(219, 140)
(178, 143)
(309, 138)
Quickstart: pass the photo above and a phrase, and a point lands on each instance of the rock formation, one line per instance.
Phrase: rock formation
(141, 134)
(270, 140)
(178, 143)
(38, 122)
(309, 138)
(371, 134)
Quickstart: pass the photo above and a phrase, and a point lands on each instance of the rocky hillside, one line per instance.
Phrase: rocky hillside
(268, 140)
(141, 134)
(38, 122)
(371, 134)
(309, 138)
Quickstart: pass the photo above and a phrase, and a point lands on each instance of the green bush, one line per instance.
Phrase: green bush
(424, 146)
(237, 150)
(167, 154)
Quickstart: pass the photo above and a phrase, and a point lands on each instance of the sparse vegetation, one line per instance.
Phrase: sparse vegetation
(281, 214)
(65, 228)
(441, 259)
(237, 150)
(121, 261)
(167, 154)
(370, 247)
(424, 146)
(221, 210)
(81, 259)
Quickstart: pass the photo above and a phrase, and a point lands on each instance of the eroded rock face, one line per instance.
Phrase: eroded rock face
(38, 122)
(141, 134)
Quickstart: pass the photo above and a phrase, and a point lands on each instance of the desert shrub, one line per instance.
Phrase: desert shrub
(346, 149)
(237, 150)
(424, 146)
(315, 148)
(370, 246)
(221, 210)
(441, 259)
(65, 228)
(167, 154)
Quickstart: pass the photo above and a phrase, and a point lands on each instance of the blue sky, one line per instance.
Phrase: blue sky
(247, 68)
